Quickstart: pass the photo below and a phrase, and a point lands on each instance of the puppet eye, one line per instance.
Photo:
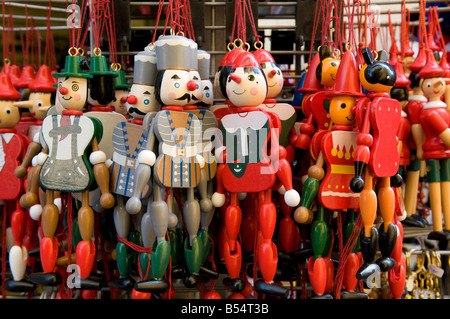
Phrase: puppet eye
(75, 87)
(343, 105)
(251, 77)
(175, 77)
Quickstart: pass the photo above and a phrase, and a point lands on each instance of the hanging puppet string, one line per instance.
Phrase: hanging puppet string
(188, 18)
(392, 34)
(441, 37)
(252, 20)
(109, 18)
(98, 17)
(314, 31)
(11, 35)
(49, 54)
(350, 13)
(403, 29)
(422, 23)
(158, 16)
(77, 38)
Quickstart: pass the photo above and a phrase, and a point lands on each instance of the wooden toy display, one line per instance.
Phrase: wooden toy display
(158, 172)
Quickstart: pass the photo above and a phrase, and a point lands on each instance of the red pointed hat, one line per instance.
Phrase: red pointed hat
(263, 56)
(43, 81)
(229, 57)
(444, 65)
(26, 77)
(7, 90)
(245, 59)
(401, 79)
(431, 68)
(311, 84)
(420, 60)
(14, 74)
(347, 77)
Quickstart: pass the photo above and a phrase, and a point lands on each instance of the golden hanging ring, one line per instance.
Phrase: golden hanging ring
(97, 51)
(238, 40)
(116, 66)
(348, 46)
(151, 46)
(7, 61)
(336, 53)
(72, 51)
(306, 68)
(180, 33)
(232, 46)
(375, 54)
(258, 45)
(80, 51)
(246, 45)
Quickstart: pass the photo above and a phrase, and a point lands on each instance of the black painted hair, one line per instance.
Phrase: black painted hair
(101, 89)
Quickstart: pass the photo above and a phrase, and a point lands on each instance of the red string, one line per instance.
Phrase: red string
(80, 40)
(158, 16)
(134, 246)
(251, 19)
(314, 31)
(11, 34)
(344, 253)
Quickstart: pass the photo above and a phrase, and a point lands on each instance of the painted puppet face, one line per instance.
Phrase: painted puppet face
(120, 101)
(250, 88)
(174, 88)
(329, 67)
(73, 92)
(341, 110)
(141, 100)
(433, 88)
(197, 93)
(274, 78)
(38, 103)
(9, 114)
(208, 94)
(217, 84)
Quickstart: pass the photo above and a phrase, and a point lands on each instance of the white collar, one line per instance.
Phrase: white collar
(404, 114)
(417, 98)
(434, 104)
(7, 137)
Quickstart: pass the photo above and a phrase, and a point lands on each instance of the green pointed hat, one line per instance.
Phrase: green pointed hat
(99, 66)
(72, 68)
(120, 83)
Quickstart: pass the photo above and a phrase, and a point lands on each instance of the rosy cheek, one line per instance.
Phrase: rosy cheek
(228, 92)
(253, 91)
(77, 97)
(280, 82)
(172, 96)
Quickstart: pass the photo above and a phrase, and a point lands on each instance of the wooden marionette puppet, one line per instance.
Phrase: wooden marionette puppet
(435, 122)
(12, 150)
(289, 235)
(177, 163)
(415, 170)
(337, 148)
(247, 166)
(42, 89)
(70, 160)
(377, 156)
(27, 118)
(315, 106)
(129, 137)
(122, 90)
(201, 62)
